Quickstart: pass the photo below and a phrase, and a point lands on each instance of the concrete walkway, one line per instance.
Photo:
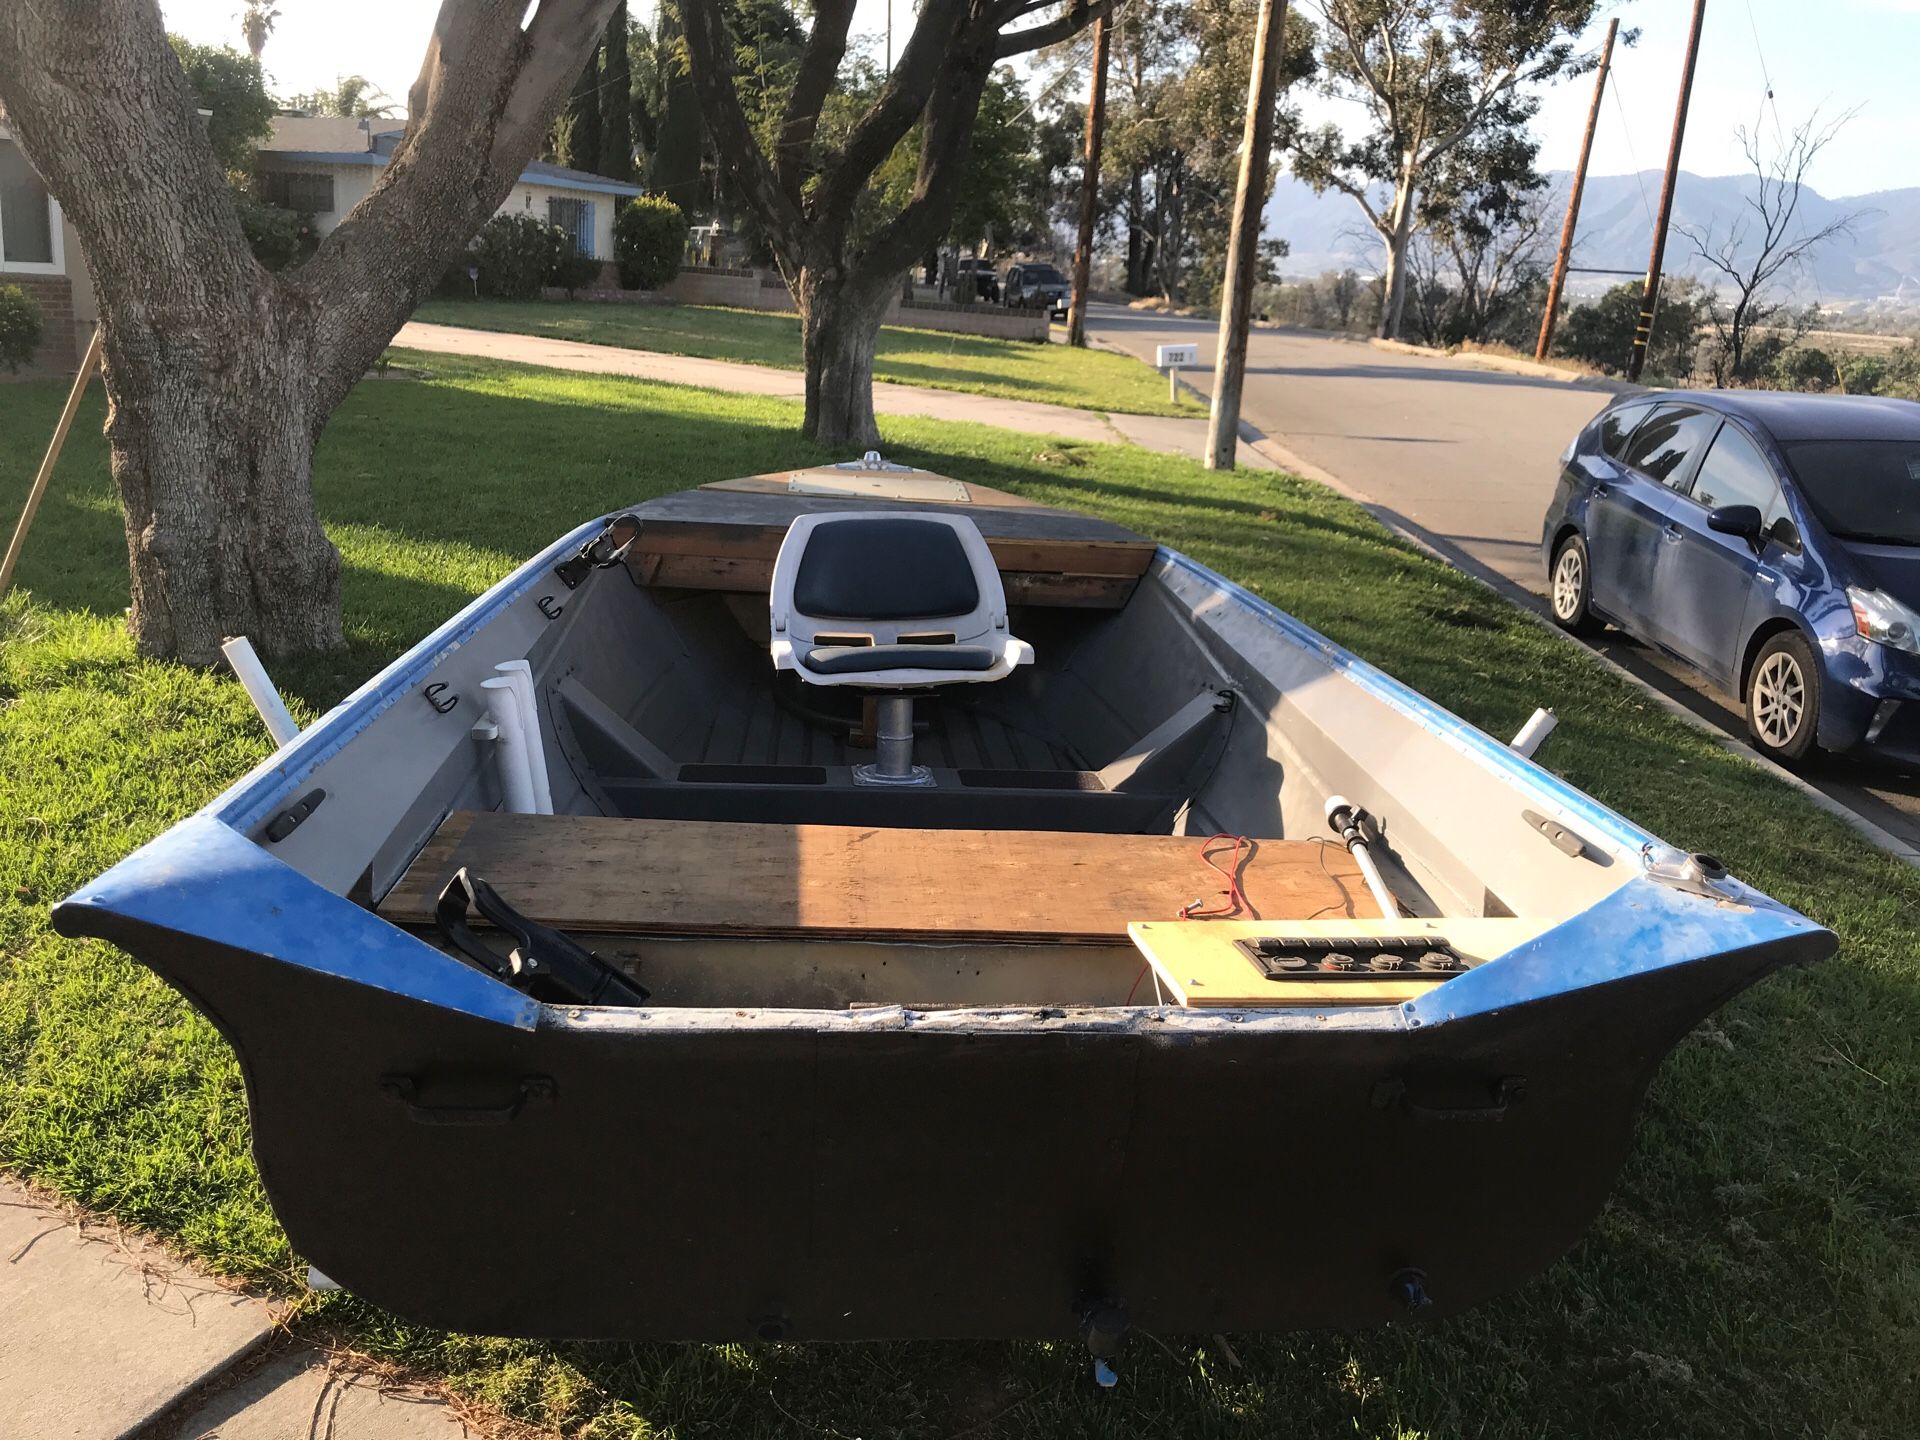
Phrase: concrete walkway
(104, 1335)
(1170, 435)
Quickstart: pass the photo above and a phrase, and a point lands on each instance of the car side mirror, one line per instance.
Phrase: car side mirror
(1786, 535)
(1742, 520)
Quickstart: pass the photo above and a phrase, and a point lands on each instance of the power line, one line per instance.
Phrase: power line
(1626, 134)
(1766, 79)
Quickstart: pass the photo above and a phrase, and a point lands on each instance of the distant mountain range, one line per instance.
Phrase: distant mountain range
(1880, 260)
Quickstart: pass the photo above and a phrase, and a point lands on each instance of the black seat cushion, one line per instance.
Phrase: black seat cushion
(864, 659)
(884, 569)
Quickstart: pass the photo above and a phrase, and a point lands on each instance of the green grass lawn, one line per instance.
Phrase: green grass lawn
(1012, 369)
(1757, 1271)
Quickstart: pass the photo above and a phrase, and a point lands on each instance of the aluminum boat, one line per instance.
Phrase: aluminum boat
(853, 903)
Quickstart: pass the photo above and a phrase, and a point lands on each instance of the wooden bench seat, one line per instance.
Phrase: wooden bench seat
(724, 537)
(687, 877)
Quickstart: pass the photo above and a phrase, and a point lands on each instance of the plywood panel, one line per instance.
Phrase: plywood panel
(695, 877)
(1200, 964)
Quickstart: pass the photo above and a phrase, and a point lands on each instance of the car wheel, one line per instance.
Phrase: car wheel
(1570, 587)
(1783, 698)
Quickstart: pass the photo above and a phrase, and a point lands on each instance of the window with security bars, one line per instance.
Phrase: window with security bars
(299, 190)
(576, 218)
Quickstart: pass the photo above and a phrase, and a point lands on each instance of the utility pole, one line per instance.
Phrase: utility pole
(1573, 199)
(1243, 244)
(1650, 300)
(1089, 186)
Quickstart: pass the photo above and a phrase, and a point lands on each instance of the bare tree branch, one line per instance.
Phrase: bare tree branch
(819, 63)
(900, 103)
(1065, 27)
(1752, 260)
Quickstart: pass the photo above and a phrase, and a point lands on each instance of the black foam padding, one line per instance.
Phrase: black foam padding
(884, 569)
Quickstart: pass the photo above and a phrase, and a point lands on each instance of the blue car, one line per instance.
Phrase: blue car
(1770, 540)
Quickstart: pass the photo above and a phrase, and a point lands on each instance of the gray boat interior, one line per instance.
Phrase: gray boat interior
(1153, 708)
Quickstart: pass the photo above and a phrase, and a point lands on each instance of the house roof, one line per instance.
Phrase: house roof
(540, 171)
(329, 140)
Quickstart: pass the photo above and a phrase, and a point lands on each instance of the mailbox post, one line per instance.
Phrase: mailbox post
(1170, 358)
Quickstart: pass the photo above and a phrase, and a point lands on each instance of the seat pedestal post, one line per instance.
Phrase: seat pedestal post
(893, 746)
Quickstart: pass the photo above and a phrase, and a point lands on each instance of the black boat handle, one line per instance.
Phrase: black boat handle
(1502, 1095)
(406, 1090)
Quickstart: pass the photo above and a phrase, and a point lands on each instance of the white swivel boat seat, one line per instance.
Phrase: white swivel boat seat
(894, 601)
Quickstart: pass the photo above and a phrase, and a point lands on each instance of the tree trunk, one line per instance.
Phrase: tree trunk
(219, 376)
(1393, 304)
(840, 326)
(1089, 189)
(213, 458)
(1136, 236)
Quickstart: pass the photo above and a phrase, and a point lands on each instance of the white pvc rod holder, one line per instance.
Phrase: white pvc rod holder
(510, 747)
(252, 676)
(1534, 733)
(520, 674)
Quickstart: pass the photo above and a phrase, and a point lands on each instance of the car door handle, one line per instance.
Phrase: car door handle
(1599, 492)
(1672, 534)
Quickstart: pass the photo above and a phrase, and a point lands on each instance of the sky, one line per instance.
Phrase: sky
(1824, 55)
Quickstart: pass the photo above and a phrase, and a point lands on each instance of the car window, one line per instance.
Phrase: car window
(1668, 438)
(1867, 490)
(1736, 473)
(1617, 427)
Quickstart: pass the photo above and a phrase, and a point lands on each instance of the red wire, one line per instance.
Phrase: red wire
(1236, 898)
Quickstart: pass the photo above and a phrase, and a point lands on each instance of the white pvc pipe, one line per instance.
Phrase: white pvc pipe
(1382, 896)
(1538, 727)
(510, 749)
(252, 675)
(520, 673)
(1344, 816)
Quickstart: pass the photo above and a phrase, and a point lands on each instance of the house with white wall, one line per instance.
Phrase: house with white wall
(40, 253)
(316, 165)
(322, 166)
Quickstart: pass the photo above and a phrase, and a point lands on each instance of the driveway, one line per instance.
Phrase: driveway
(1465, 458)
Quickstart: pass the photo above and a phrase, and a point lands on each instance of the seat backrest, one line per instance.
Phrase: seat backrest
(889, 575)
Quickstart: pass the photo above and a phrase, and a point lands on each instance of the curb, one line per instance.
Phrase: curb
(1512, 365)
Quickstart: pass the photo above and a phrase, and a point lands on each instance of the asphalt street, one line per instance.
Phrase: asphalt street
(1465, 458)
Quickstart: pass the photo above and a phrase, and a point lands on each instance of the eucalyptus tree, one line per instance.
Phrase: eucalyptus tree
(221, 375)
(1176, 112)
(809, 197)
(1427, 75)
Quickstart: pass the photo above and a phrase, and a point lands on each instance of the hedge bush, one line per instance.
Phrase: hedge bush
(517, 254)
(19, 327)
(649, 237)
(574, 271)
(279, 238)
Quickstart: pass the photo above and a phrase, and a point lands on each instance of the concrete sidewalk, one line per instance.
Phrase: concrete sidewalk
(1170, 435)
(104, 1335)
